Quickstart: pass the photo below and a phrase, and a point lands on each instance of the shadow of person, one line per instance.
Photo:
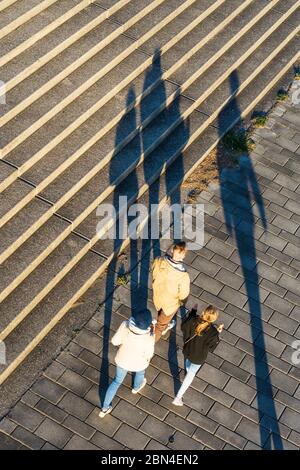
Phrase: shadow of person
(240, 193)
(164, 185)
(121, 161)
(140, 261)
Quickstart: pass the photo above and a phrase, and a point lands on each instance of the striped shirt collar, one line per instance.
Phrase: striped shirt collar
(175, 264)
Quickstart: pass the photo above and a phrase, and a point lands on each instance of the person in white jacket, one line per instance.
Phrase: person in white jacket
(135, 339)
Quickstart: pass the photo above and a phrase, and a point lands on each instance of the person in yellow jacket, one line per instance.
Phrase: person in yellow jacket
(171, 287)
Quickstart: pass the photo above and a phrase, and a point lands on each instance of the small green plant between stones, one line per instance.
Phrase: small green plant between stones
(260, 121)
(123, 279)
(282, 95)
(238, 141)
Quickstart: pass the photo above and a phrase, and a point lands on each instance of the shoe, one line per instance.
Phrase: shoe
(177, 401)
(169, 327)
(137, 390)
(105, 412)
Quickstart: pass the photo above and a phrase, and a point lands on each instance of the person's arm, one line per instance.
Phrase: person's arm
(149, 351)
(118, 336)
(154, 268)
(190, 314)
(214, 340)
(184, 289)
(213, 343)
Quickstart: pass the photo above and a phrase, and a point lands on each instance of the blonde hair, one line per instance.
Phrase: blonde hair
(208, 316)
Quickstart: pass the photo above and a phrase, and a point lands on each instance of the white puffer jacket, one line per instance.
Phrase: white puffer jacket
(136, 348)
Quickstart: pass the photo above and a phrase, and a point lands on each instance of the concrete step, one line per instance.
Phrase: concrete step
(89, 42)
(50, 159)
(6, 3)
(13, 16)
(267, 22)
(81, 80)
(69, 44)
(257, 57)
(21, 150)
(46, 315)
(35, 286)
(64, 187)
(5, 170)
(28, 123)
(34, 30)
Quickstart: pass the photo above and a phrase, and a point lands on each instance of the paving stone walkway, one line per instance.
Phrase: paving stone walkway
(247, 395)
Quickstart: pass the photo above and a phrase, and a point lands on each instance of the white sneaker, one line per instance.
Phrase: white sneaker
(137, 390)
(177, 401)
(105, 412)
(169, 327)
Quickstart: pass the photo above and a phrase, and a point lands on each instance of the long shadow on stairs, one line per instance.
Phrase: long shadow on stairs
(142, 251)
(239, 191)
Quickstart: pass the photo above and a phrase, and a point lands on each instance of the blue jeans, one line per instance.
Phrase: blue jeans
(118, 380)
(191, 370)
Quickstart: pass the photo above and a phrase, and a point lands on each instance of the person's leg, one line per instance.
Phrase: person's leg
(187, 364)
(191, 370)
(162, 323)
(139, 381)
(113, 388)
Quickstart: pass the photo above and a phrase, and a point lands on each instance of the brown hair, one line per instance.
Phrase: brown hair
(208, 316)
(180, 247)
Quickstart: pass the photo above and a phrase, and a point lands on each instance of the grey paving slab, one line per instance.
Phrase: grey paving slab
(240, 390)
(202, 421)
(25, 416)
(78, 443)
(129, 413)
(7, 426)
(152, 408)
(78, 427)
(53, 433)
(234, 371)
(76, 406)
(48, 389)
(28, 438)
(181, 424)
(232, 438)
(75, 382)
(105, 442)
(30, 398)
(50, 410)
(208, 439)
(131, 437)
(108, 427)
(8, 443)
(224, 416)
(182, 441)
(283, 382)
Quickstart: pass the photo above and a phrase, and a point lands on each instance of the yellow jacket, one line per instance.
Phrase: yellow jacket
(171, 285)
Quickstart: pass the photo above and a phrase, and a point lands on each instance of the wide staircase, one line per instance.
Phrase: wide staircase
(106, 98)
